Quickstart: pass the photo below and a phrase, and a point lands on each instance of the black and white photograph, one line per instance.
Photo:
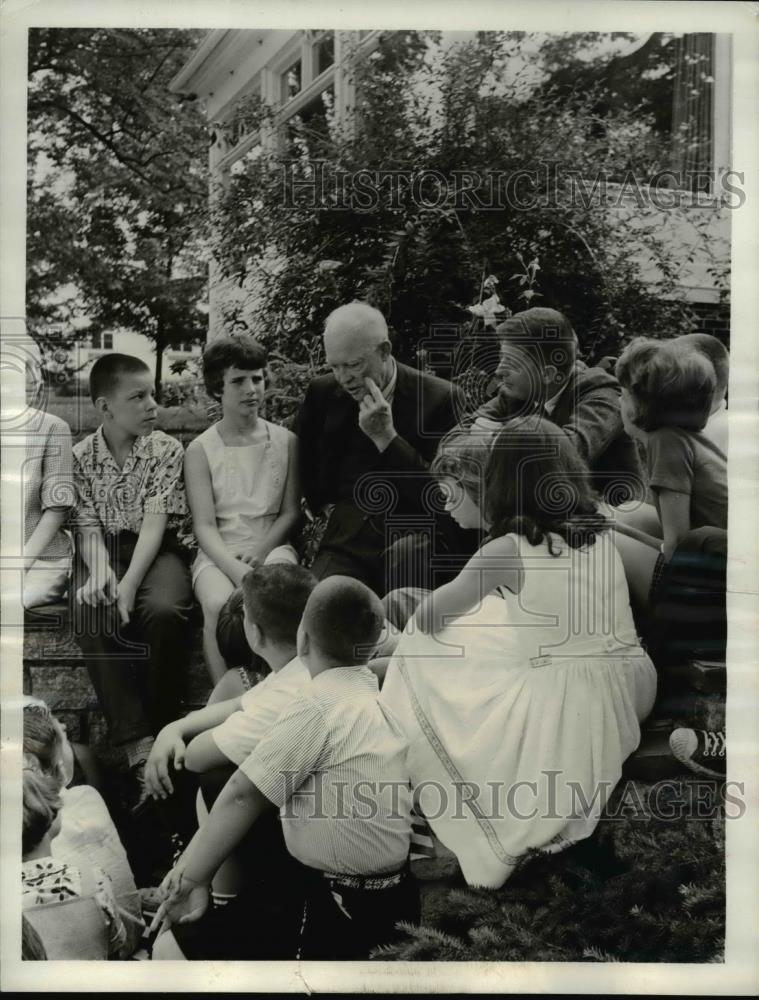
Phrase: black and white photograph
(379, 480)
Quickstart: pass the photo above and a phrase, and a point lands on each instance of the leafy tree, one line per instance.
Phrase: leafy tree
(117, 195)
(527, 148)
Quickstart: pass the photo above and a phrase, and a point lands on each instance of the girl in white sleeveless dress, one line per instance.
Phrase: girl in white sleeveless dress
(242, 484)
(520, 684)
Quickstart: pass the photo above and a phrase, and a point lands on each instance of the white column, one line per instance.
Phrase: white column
(722, 103)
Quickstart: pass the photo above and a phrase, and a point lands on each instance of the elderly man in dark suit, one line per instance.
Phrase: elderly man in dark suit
(367, 434)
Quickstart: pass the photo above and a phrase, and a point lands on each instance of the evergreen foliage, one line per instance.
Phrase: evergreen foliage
(642, 889)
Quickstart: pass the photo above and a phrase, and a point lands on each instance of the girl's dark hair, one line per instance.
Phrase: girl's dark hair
(534, 482)
(42, 737)
(670, 386)
(238, 350)
(230, 633)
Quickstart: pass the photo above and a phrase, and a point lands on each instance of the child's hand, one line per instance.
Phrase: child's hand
(125, 598)
(100, 588)
(242, 570)
(250, 559)
(169, 745)
(184, 902)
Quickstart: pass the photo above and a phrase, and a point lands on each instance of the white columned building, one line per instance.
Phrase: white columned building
(295, 71)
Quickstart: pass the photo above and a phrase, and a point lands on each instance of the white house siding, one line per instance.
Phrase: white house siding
(230, 64)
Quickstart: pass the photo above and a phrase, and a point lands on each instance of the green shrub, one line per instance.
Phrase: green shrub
(639, 890)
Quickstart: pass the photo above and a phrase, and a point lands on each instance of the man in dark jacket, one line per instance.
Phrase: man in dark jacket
(367, 434)
(540, 373)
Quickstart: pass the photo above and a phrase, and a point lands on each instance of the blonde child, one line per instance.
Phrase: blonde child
(242, 484)
(47, 880)
(84, 835)
(521, 683)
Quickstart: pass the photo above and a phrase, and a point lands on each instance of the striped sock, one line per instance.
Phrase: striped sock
(221, 899)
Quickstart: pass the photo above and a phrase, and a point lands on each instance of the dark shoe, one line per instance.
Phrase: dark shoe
(701, 751)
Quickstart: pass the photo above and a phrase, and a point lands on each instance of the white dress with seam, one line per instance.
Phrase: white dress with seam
(520, 714)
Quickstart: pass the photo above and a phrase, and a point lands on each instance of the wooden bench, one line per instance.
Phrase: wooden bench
(54, 671)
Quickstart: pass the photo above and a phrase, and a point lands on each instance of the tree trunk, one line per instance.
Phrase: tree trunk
(159, 347)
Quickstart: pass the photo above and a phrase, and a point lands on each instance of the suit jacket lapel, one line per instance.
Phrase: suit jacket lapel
(405, 413)
(566, 401)
(339, 416)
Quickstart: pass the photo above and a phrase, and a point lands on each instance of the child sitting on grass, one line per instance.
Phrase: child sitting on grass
(524, 666)
(221, 735)
(131, 580)
(86, 835)
(335, 746)
(47, 880)
(225, 732)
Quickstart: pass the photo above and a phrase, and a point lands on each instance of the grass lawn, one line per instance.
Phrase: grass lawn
(648, 886)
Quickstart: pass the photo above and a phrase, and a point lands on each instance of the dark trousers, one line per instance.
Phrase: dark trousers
(399, 556)
(429, 559)
(263, 921)
(347, 923)
(688, 616)
(138, 669)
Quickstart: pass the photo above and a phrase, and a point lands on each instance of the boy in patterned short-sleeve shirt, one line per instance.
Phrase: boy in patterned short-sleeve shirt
(132, 592)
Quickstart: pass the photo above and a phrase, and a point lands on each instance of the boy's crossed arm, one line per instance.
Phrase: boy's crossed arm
(186, 887)
(171, 743)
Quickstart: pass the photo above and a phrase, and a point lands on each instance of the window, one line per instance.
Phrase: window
(304, 131)
(292, 81)
(102, 341)
(324, 52)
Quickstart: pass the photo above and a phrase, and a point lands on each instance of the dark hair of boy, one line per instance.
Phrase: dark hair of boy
(109, 368)
(42, 737)
(669, 387)
(275, 597)
(537, 484)
(344, 619)
(42, 803)
(238, 350)
(544, 335)
(714, 350)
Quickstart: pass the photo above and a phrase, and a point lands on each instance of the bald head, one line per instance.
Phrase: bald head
(358, 322)
(357, 347)
(342, 620)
